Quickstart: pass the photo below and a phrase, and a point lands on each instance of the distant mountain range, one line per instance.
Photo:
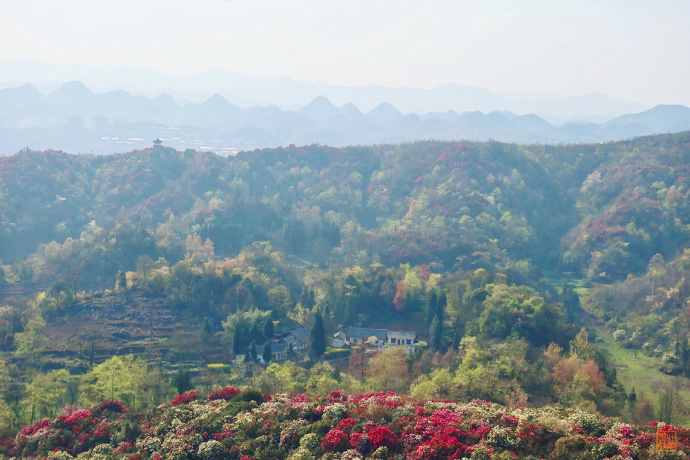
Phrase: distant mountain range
(76, 119)
(289, 94)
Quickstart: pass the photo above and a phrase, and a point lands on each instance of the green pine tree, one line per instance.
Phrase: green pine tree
(237, 343)
(182, 380)
(435, 331)
(318, 337)
(268, 329)
(431, 307)
(266, 353)
(457, 336)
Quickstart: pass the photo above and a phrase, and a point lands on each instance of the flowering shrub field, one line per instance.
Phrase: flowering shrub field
(361, 426)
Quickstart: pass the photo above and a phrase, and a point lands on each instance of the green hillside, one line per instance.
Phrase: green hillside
(528, 275)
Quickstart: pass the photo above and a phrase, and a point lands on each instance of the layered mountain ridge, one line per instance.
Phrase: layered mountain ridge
(77, 119)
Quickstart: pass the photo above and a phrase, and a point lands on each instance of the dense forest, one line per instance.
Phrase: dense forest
(534, 275)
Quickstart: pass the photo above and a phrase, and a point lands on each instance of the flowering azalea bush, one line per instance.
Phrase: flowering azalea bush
(382, 436)
(73, 432)
(185, 398)
(362, 426)
(335, 440)
(109, 407)
(223, 393)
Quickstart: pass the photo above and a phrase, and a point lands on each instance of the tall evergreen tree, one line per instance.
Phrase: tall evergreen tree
(266, 353)
(457, 336)
(318, 337)
(441, 305)
(570, 300)
(435, 331)
(237, 342)
(256, 330)
(431, 307)
(268, 329)
(182, 380)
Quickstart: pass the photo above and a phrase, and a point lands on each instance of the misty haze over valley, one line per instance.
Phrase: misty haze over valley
(309, 230)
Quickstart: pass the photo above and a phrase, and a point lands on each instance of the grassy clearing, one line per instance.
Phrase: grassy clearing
(580, 286)
(634, 370)
(642, 373)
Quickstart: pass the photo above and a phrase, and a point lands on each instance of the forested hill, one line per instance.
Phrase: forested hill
(502, 260)
(601, 210)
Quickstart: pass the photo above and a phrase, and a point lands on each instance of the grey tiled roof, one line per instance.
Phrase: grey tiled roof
(365, 333)
(302, 334)
(279, 346)
(404, 335)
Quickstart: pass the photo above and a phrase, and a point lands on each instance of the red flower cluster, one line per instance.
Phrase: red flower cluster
(346, 424)
(442, 435)
(221, 436)
(300, 398)
(509, 420)
(388, 399)
(77, 416)
(336, 396)
(76, 421)
(73, 432)
(359, 441)
(223, 393)
(528, 432)
(31, 429)
(382, 436)
(185, 398)
(626, 431)
(334, 441)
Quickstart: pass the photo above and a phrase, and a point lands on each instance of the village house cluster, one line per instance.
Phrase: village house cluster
(294, 346)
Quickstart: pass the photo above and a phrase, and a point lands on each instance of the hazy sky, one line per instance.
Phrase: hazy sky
(637, 50)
